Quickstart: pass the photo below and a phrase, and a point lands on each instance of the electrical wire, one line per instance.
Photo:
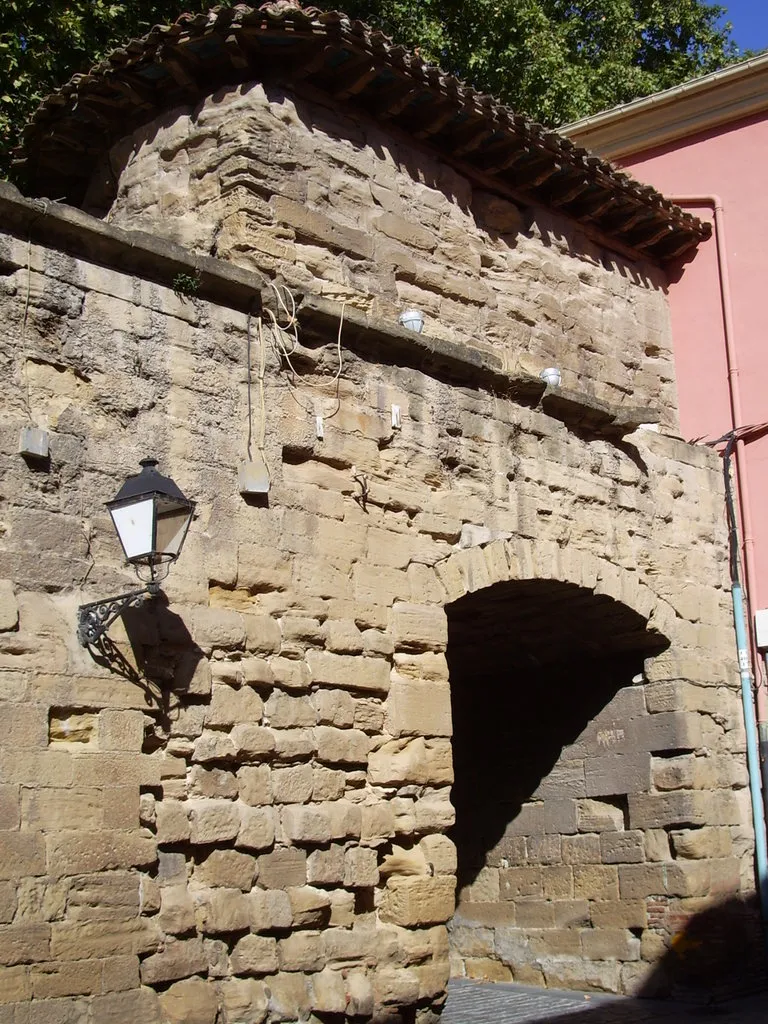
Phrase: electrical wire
(289, 330)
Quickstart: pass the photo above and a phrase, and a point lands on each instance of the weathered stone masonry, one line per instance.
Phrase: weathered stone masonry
(251, 814)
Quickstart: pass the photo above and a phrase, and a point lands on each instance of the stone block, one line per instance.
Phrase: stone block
(270, 910)
(360, 868)
(307, 824)
(226, 868)
(213, 783)
(619, 914)
(222, 910)
(290, 674)
(256, 828)
(293, 785)
(682, 808)
(177, 960)
(256, 671)
(172, 821)
(417, 901)
(553, 816)
(417, 708)
(213, 821)
(310, 907)
(349, 672)
(301, 951)
(103, 938)
(346, 819)
(667, 731)
(396, 986)
(609, 944)
(341, 746)
(50, 809)
(255, 954)
(252, 742)
(334, 707)
(9, 609)
(566, 779)
(230, 707)
(121, 730)
(595, 882)
(585, 976)
(705, 842)
(636, 881)
(287, 711)
(617, 773)
(329, 992)
(622, 847)
(598, 816)
(316, 227)
(24, 944)
(377, 823)
(177, 911)
(141, 1006)
(419, 627)
(243, 1000)
(218, 628)
(255, 784)
(290, 998)
(403, 761)
(283, 869)
(440, 854)
(75, 853)
(192, 1001)
(515, 883)
(326, 867)
(328, 784)
(262, 636)
(434, 812)
(294, 745)
(688, 878)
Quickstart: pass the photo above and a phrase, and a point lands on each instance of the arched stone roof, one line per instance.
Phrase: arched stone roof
(180, 64)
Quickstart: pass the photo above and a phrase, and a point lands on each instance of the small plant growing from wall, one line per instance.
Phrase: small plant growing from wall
(186, 286)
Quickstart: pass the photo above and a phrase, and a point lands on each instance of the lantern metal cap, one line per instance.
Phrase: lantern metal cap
(147, 482)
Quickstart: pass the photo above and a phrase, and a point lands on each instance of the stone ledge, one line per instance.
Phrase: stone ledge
(128, 252)
(466, 365)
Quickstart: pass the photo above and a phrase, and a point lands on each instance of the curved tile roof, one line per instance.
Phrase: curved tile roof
(181, 63)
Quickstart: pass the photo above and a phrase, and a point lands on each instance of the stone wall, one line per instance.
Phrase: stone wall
(335, 206)
(242, 807)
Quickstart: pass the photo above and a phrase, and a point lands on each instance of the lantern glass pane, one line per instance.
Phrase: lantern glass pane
(134, 525)
(172, 523)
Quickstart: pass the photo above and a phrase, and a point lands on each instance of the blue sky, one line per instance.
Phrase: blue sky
(750, 22)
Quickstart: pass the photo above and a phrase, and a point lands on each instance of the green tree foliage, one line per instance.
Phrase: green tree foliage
(557, 60)
(554, 60)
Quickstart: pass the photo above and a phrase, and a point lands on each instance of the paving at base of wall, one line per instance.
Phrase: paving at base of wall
(477, 1003)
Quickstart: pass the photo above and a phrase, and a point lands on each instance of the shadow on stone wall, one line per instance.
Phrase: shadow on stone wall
(161, 657)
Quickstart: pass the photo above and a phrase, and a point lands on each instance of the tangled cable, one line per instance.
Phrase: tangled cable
(285, 340)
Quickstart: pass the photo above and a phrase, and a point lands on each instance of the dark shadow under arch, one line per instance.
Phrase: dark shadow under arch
(531, 662)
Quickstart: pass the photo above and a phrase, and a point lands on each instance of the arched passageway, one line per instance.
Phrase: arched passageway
(551, 736)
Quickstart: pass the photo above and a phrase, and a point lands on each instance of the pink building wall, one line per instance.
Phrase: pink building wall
(729, 161)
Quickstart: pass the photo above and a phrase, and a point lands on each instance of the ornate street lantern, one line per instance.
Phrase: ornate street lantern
(151, 517)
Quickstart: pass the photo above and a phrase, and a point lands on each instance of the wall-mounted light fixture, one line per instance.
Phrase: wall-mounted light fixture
(151, 517)
(551, 377)
(412, 320)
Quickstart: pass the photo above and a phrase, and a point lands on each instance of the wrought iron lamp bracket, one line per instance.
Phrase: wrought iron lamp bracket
(94, 619)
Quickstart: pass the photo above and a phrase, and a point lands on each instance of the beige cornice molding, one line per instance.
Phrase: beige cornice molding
(720, 98)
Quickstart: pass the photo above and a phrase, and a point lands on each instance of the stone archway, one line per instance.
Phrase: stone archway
(551, 740)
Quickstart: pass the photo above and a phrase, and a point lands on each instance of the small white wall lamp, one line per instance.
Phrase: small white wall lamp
(412, 320)
(151, 517)
(551, 376)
